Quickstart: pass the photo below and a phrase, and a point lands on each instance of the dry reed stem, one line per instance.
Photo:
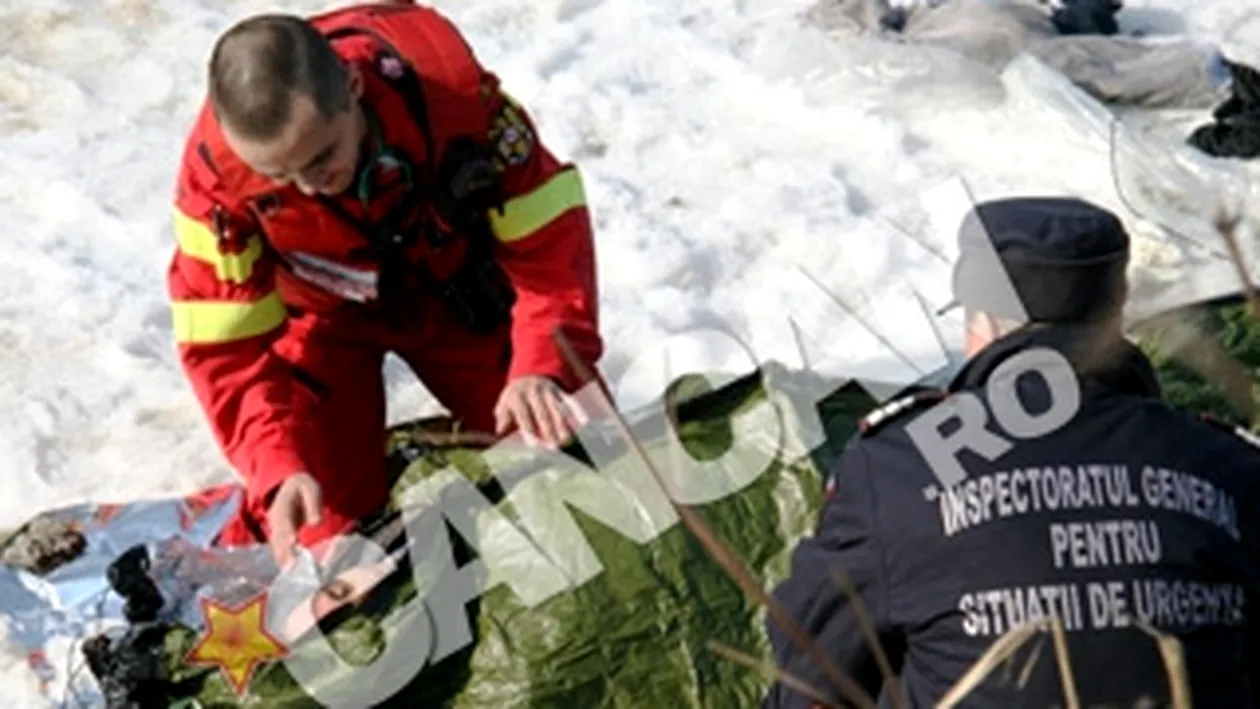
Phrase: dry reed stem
(456, 439)
(718, 551)
(1226, 224)
(771, 672)
(1003, 648)
(998, 652)
(896, 693)
(1170, 651)
(1066, 676)
(1030, 663)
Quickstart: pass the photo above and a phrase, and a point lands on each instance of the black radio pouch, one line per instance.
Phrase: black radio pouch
(479, 293)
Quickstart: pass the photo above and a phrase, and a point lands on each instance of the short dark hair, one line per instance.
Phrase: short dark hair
(259, 64)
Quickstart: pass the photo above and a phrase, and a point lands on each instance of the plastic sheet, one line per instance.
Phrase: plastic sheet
(1172, 195)
(75, 600)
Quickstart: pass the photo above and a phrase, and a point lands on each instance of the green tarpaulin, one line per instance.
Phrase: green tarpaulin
(635, 634)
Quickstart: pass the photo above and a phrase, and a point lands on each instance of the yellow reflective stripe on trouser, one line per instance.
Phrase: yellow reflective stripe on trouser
(530, 212)
(198, 322)
(198, 241)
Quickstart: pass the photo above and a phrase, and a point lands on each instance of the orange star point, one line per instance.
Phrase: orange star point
(236, 641)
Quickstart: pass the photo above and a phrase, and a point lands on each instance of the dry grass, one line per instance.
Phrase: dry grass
(1170, 651)
(772, 672)
(1000, 651)
(1169, 647)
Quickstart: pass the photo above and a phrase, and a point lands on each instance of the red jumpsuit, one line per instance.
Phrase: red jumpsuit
(276, 313)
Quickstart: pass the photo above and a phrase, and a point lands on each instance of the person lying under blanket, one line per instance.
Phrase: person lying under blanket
(1078, 38)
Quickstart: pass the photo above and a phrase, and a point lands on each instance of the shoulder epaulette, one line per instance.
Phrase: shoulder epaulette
(875, 420)
(1242, 432)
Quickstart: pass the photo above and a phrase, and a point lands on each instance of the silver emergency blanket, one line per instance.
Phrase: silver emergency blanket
(74, 600)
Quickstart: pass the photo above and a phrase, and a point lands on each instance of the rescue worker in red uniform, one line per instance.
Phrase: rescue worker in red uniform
(356, 184)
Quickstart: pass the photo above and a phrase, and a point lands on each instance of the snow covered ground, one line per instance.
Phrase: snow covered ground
(721, 143)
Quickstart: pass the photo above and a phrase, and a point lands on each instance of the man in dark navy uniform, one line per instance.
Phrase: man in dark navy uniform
(1047, 485)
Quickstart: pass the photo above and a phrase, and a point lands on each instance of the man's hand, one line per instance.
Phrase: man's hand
(296, 503)
(539, 409)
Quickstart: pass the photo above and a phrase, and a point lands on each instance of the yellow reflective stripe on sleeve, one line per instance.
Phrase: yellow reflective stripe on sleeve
(530, 212)
(196, 240)
(198, 322)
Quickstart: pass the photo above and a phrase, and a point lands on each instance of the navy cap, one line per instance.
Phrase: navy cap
(1058, 259)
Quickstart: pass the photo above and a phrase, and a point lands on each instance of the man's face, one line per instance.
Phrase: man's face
(317, 154)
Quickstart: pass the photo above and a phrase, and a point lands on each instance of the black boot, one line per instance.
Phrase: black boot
(1087, 17)
(130, 669)
(1246, 84)
(128, 575)
(1237, 136)
(1231, 107)
(894, 20)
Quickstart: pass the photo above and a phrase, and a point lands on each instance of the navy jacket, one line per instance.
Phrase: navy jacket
(1129, 510)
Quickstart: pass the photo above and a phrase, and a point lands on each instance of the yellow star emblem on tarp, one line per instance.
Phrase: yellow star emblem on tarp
(235, 640)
